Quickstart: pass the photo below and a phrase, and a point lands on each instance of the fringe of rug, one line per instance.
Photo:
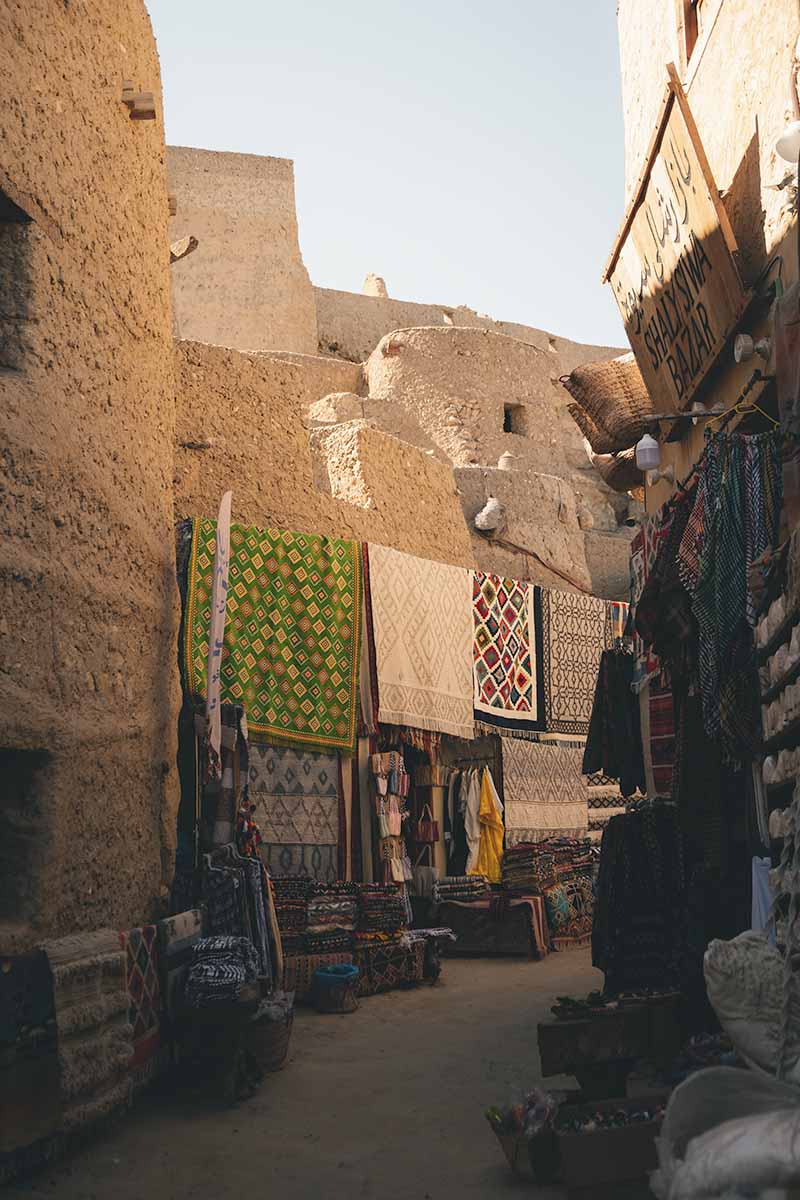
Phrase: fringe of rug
(571, 943)
(531, 735)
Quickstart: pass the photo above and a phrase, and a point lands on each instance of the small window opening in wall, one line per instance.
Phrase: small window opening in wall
(692, 24)
(21, 832)
(15, 281)
(514, 419)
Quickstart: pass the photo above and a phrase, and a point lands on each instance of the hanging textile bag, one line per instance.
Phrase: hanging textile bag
(384, 822)
(426, 830)
(394, 819)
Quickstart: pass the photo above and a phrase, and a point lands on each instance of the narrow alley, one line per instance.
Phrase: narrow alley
(363, 1099)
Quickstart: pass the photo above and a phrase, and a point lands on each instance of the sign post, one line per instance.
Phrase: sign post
(673, 267)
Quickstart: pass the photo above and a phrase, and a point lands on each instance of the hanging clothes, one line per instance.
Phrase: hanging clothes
(472, 825)
(696, 610)
(639, 933)
(787, 371)
(490, 845)
(614, 742)
(459, 852)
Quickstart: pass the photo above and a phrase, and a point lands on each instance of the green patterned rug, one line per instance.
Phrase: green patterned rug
(291, 653)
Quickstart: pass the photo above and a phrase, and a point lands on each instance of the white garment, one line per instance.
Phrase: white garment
(498, 803)
(472, 823)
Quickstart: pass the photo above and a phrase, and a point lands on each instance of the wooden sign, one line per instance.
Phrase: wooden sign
(672, 269)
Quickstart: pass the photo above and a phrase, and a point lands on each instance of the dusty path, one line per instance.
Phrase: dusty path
(387, 1102)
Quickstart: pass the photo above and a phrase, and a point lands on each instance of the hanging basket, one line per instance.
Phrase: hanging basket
(613, 404)
(619, 471)
(600, 441)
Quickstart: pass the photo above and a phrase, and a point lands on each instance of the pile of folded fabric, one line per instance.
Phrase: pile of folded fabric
(291, 909)
(561, 871)
(529, 868)
(573, 857)
(381, 913)
(460, 887)
(220, 968)
(332, 918)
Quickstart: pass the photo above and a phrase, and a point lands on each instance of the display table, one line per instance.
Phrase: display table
(500, 925)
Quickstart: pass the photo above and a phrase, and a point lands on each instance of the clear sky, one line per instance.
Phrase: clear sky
(470, 152)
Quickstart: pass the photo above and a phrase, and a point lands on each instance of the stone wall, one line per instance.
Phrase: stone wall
(89, 604)
(463, 386)
(245, 285)
(738, 87)
(364, 484)
(737, 82)
(350, 325)
(347, 467)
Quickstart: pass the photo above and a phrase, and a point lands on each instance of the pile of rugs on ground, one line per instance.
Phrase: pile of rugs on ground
(69, 1030)
(366, 925)
(88, 1020)
(544, 901)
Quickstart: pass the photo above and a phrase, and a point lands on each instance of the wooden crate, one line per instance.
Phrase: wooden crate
(607, 1157)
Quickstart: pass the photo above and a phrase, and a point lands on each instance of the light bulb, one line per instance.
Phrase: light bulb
(788, 144)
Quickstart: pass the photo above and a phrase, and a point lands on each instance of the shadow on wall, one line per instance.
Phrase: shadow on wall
(743, 204)
(15, 282)
(21, 823)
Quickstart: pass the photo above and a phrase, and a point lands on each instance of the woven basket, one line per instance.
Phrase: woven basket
(600, 441)
(335, 989)
(613, 401)
(269, 1041)
(619, 471)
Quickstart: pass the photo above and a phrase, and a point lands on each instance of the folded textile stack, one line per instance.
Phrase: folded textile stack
(221, 966)
(381, 909)
(330, 941)
(529, 868)
(569, 905)
(573, 856)
(460, 887)
(362, 940)
(95, 1038)
(561, 870)
(150, 1055)
(291, 910)
(332, 918)
(30, 1104)
(339, 890)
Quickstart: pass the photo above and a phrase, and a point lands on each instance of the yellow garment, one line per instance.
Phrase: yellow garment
(490, 850)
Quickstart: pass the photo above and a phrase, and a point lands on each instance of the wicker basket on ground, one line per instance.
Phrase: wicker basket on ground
(270, 1030)
(612, 404)
(335, 988)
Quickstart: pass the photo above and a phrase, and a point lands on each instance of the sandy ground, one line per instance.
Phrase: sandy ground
(385, 1102)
